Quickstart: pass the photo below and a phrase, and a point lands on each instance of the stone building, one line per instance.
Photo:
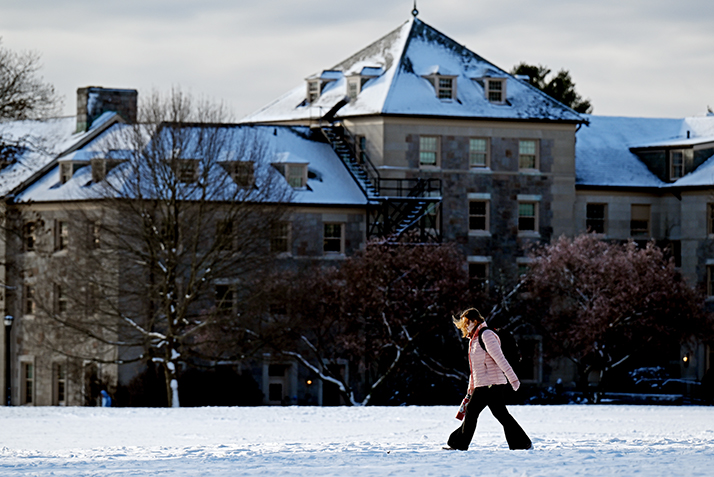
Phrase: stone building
(415, 131)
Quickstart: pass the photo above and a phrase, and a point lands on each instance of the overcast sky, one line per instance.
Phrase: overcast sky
(652, 58)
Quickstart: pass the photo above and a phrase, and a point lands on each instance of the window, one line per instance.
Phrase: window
(530, 367)
(99, 170)
(528, 154)
(95, 234)
(332, 238)
(445, 88)
(296, 175)
(60, 394)
(242, 173)
(495, 90)
(478, 153)
(361, 149)
(279, 238)
(353, 88)
(676, 165)
(478, 215)
(710, 219)
(478, 276)
(186, 170)
(29, 304)
(523, 268)
(224, 298)
(65, 172)
(595, 218)
(640, 220)
(61, 300)
(61, 235)
(678, 159)
(313, 90)
(428, 150)
(28, 383)
(527, 217)
(224, 235)
(30, 236)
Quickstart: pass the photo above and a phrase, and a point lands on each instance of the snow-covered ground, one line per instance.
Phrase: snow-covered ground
(569, 441)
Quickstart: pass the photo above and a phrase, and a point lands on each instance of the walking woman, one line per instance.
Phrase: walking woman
(490, 373)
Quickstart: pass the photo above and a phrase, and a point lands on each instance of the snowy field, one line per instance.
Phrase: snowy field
(374, 441)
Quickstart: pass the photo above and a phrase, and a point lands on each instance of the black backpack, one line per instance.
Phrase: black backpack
(509, 345)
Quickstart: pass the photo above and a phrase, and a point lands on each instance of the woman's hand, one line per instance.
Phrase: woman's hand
(515, 385)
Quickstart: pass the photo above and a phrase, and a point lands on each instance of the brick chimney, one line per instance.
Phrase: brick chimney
(93, 101)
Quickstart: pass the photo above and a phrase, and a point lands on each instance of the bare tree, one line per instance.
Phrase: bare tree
(173, 225)
(23, 94)
(386, 310)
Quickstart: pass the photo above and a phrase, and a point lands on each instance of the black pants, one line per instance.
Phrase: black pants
(493, 397)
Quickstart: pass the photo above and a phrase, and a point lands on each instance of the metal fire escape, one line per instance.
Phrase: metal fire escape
(395, 206)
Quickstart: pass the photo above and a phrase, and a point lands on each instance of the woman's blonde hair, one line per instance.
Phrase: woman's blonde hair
(465, 319)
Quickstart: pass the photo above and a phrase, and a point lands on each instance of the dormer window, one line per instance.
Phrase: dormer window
(186, 170)
(295, 173)
(495, 89)
(356, 81)
(65, 172)
(316, 85)
(313, 90)
(444, 86)
(241, 172)
(68, 168)
(353, 87)
(677, 162)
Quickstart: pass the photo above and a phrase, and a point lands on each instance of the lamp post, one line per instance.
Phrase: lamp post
(8, 386)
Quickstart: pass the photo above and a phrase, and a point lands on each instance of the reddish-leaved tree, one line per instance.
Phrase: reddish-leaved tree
(600, 303)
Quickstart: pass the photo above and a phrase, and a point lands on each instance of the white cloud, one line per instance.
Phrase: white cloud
(635, 58)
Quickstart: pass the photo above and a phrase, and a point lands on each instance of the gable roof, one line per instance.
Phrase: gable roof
(401, 60)
(40, 143)
(604, 157)
(329, 182)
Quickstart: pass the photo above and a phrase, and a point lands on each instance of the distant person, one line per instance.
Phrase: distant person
(489, 374)
(106, 399)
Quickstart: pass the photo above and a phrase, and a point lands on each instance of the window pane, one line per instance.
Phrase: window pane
(595, 220)
(428, 147)
(640, 220)
(526, 216)
(296, 175)
(279, 238)
(478, 215)
(478, 275)
(526, 147)
(477, 152)
(332, 238)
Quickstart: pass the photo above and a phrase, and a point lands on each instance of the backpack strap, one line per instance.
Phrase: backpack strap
(480, 338)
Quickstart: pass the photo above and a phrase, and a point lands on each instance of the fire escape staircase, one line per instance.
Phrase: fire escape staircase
(395, 206)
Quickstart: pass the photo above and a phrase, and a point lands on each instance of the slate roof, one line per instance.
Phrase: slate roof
(603, 155)
(41, 142)
(401, 59)
(329, 182)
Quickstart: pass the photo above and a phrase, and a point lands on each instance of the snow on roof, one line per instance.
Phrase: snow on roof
(406, 56)
(603, 155)
(40, 142)
(329, 181)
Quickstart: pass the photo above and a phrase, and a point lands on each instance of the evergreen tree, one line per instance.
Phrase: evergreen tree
(559, 87)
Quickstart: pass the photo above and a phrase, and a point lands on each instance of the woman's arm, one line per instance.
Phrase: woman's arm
(493, 348)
